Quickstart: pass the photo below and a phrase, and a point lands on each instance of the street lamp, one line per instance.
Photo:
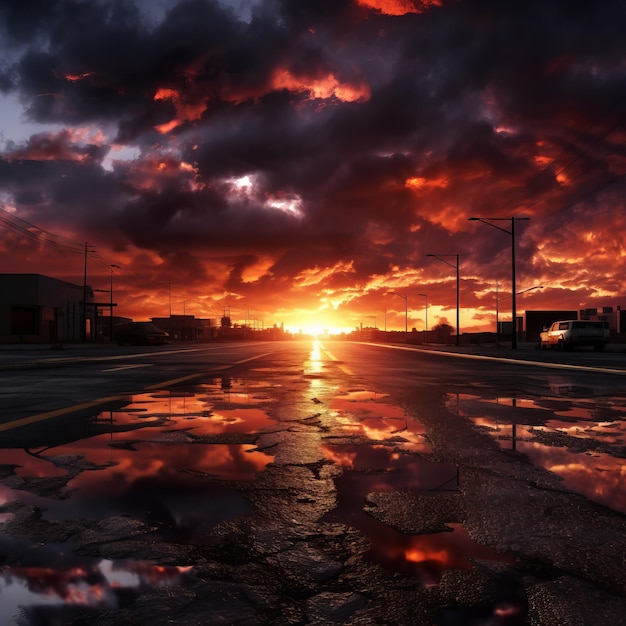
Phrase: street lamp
(497, 309)
(83, 332)
(374, 318)
(488, 221)
(441, 257)
(425, 315)
(112, 266)
(406, 313)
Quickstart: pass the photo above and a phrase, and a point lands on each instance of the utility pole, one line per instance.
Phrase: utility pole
(489, 221)
(111, 267)
(83, 332)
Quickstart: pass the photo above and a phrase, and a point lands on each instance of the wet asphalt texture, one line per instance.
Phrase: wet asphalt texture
(293, 543)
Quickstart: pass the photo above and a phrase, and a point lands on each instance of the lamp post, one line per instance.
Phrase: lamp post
(425, 315)
(504, 298)
(83, 332)
(488, 221)
(406, 314)
(374, 318)
(111, 268)
(442, 257)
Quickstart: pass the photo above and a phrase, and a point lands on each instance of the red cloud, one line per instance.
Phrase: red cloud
(400, 7)
(55, 146)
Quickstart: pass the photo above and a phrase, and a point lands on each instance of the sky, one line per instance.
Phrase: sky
(295, 162)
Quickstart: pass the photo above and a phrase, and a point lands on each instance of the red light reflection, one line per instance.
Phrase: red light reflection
(359, 414)
(30, 464)
(539, 428)
(172, 464)
(370, 469)
(426, 557)
(599, 477)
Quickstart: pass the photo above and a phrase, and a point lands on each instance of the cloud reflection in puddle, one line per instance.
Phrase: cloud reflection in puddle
(370, 469)
(361, 413)
(84, 583)
(579, 439)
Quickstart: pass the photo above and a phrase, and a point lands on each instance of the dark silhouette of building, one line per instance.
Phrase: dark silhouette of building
(186, 327)
(39, 309)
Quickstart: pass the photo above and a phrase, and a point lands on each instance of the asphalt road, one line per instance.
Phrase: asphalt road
(306, 483)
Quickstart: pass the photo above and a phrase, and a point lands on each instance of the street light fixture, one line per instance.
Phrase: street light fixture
(425, 315)
(488, 221)
(406, 313)
(442, 258)
(504, 298)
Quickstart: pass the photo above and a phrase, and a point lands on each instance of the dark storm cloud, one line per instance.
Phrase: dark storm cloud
(384, 132)
(23, 21)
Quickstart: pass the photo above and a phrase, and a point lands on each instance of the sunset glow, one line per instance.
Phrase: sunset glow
(399, 7)
(295, 168)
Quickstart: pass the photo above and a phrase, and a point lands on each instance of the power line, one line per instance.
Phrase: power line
(45, 237)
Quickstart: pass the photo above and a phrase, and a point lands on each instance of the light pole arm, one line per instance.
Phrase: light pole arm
(478, 219)
(436, 256)
(513, 219)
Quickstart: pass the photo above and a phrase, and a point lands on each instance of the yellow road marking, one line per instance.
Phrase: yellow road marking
(501, 359)
(174, 381)
(344, 368)
(128, 367)
(33, 419)
(57, 412)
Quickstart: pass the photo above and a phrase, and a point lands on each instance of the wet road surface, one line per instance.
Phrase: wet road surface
(317, 484)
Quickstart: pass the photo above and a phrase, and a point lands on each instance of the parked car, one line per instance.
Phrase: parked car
(568, 334)
(139, 334)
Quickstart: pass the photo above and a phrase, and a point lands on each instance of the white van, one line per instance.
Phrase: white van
(568, 334)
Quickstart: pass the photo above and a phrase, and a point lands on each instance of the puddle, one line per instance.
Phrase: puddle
(32, 594)
(599, 477)
(580, 439)
(372, 469)
(359, 395)
(361, 413)
(149, 461)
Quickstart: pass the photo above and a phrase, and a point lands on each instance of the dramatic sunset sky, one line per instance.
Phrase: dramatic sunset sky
(295, 161)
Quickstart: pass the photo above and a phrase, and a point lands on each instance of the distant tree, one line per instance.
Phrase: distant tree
(442, 332)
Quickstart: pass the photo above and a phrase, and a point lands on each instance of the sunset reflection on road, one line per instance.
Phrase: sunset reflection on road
(578, 439)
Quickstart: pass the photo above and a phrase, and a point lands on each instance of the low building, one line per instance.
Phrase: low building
(39, 309)
(185, 327)
(536, 321)
(611, 315)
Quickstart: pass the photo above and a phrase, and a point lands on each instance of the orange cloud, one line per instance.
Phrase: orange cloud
(321, 88)
(187, 110)
(400, 7)
(416, 182)
(317, 275)
(76, 77)
(54, 146)
(161, 169)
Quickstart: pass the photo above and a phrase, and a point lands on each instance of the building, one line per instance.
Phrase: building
(39, 309)
(536, 321)
(612, 315)
(186, 327)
